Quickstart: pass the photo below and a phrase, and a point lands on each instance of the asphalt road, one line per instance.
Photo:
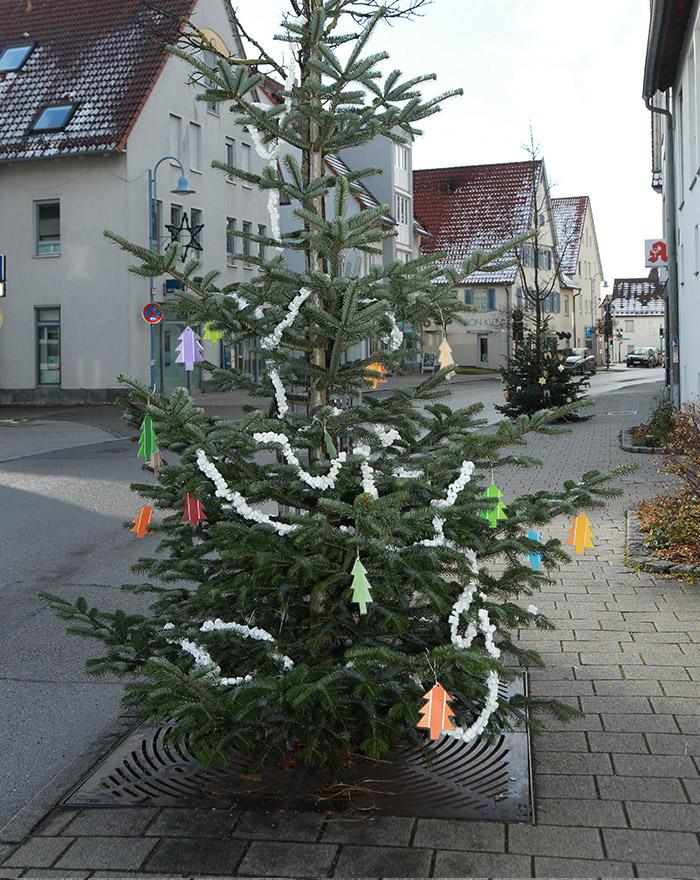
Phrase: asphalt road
(61, 515)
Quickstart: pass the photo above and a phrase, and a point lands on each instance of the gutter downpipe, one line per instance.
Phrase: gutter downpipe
(671, 234)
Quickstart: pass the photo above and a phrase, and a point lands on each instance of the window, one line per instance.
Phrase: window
(196, 220)
(175, 221)
(174, 135)
(209, 58)
(230, 157)
(48, 227)
(566, 305)
(629, 326)
(402, 210)
(553, 302)
(262, 230)
(491, 299)
(245, 157)
(246, 227)
(13, 57)
(230, 241)
(195, 146)
(468, 296)
(401, 157)
(48, 345)
(54, 117)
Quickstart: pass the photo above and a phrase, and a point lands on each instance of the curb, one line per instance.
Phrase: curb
(22, 823)
(637, 556)
(626, 443)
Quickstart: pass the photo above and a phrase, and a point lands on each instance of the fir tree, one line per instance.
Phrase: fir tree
(258, 636)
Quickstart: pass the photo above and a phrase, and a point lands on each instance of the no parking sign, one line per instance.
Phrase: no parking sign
(152, 313)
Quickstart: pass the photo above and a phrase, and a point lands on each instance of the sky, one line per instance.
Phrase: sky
(570, 73)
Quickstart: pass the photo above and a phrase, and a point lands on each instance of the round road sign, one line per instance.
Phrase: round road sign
(152, 313)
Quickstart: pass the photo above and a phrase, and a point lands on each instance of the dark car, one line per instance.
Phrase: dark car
(581, 361)
(642, 357)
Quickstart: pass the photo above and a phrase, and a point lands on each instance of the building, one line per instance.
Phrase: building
(581, 267)
(90, 107)
(481, 207)
(671, 92)
(638, 308)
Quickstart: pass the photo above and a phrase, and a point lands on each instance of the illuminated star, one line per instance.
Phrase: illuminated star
(560, 367)
(542, 380)
(193, 229)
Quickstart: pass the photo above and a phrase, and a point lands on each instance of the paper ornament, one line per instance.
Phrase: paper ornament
(330, 448)
(580, 534)
(190, 349)
(156, 461)
(148, 439)
(436, 713)
(533, 557)
(194, 511)
(542, 380)
(375, 368)
(445, 357)
(360, 586)
(212, 335)
(496, 512)
(145, 516)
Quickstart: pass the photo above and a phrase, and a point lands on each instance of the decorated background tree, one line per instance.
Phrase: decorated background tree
(333, 562)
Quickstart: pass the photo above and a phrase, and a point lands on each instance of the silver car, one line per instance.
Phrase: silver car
(581, 360)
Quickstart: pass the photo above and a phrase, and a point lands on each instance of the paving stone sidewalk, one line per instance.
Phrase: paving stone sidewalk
(617, 792)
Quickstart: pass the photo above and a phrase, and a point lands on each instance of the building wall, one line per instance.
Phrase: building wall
(103, 332)
(686, 113)
(589, 277)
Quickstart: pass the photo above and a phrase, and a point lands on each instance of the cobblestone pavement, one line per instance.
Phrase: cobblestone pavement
(617, 792)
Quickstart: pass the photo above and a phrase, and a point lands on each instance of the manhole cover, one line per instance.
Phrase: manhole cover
(478, 780)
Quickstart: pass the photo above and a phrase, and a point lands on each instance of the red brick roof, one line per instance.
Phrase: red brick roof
(569, 218)
(475, 206)
(103, 54)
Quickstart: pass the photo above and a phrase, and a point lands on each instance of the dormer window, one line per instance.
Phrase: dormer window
(54, 117)
(13, 57)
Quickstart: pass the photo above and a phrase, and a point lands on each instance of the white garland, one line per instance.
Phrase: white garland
(395, 337)
(248, 632)
(273, 340)
(455, 488)
(386, 437)
(478, 727)
(280, 393)
(366, 469)
(236, 500)
(405, 474)
(316, 482)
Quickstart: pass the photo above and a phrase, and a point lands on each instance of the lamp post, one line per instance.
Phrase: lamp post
(182, 189)
(593, 322)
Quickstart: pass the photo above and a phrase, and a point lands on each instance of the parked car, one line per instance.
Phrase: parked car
(581, 360)
(642, 357)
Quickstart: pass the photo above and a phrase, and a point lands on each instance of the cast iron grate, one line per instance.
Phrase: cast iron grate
(479, 780)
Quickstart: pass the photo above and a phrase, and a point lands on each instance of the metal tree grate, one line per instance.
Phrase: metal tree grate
(479, 780)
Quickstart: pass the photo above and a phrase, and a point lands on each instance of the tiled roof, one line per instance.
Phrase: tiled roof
(363, 196)
(639, 296)
(475, 206)
(103, 54)
(569, 217)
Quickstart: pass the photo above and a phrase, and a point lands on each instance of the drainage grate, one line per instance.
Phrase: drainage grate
(478, 780)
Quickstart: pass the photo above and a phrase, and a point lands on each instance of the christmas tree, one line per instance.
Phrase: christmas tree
(263, 634)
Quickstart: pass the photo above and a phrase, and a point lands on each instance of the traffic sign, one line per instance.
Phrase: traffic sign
(152, 313)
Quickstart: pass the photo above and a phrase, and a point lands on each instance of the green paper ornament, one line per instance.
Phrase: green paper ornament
(148, 439)
(497, 512)
(360, 586)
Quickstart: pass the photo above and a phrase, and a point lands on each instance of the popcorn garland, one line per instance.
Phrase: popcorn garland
(273, 340)
(319, 482)
(395, 338)
(280, 393)
(248, 632)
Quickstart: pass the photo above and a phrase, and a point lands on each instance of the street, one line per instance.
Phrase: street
(61, 522)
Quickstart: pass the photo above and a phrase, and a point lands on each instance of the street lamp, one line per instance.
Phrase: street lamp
(593, 339)
(182, 189)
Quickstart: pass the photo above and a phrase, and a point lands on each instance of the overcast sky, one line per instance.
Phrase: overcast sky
(572, 72)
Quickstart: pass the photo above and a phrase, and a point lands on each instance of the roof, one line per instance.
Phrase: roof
(668, 23)
(363, 196)
(569, 218)
(475, 206)
(639, 296)
(104, 55)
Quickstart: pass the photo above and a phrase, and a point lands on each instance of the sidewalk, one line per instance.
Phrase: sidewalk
(617, 793)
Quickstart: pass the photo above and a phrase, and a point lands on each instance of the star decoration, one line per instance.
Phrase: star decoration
(561, 368)
(542, 380)
(193, 230)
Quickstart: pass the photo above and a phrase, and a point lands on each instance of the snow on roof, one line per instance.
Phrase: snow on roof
(569, 218)
(475, 206)
(639, 296)
(103, 55)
